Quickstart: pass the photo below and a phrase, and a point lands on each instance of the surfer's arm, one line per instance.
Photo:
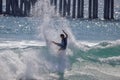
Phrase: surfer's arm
(58, 44)
(65, 33)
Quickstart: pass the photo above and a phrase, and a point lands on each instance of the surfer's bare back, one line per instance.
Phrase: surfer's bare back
(63, 44)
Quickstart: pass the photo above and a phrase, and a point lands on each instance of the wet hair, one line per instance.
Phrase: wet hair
(61, 35)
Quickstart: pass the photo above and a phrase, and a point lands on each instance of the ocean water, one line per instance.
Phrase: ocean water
(93, 51)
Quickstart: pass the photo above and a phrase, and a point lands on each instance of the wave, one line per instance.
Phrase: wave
(96, 52)
(106, 49)
(20, 44)
(111, 60)
(21, 57)
(103, 50)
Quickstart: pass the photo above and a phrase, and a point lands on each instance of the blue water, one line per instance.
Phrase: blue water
(93, 51)
(26, 28)
(97, 54)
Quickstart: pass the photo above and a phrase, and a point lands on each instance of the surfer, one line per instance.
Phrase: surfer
(63, 44)
(62, 54)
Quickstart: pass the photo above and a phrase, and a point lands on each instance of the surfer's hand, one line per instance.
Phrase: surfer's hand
(53, 42)
(63, 30)
(65, 33)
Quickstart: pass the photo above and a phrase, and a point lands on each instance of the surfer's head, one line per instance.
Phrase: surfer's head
(62, 35)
